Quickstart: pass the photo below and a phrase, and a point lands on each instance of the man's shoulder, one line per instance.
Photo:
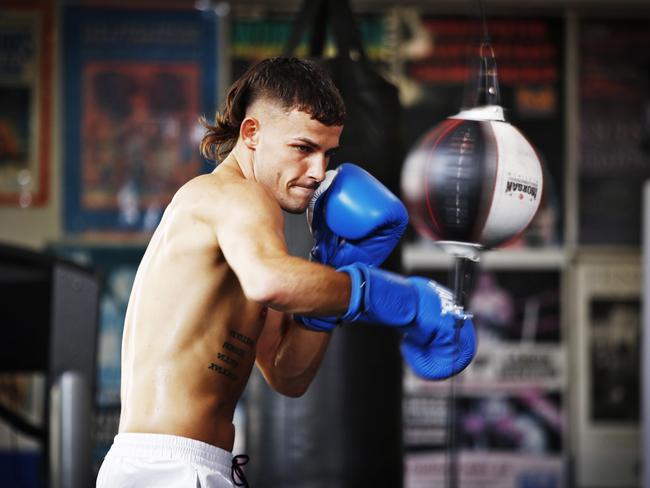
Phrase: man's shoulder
(217, 184)
(206, 186)
(221, 191)
(205, 183)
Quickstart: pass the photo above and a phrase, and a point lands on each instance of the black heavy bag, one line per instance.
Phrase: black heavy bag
(346, 430)
(372, 137)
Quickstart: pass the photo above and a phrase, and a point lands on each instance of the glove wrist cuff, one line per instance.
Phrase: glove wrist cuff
(379, 297)
(357, 283)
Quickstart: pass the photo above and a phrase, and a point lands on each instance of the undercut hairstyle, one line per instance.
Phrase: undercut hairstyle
(292, 83)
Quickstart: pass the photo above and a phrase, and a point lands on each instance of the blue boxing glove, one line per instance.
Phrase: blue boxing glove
(453, 343)
(439, 339)
(354, 218)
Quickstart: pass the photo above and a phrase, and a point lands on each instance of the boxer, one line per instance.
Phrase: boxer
(217, 291)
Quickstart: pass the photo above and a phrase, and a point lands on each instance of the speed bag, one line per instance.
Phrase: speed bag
(473, 178)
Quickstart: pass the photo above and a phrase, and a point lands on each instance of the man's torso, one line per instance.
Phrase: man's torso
(190, 333)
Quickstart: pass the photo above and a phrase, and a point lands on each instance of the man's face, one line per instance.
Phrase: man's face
(292, 154)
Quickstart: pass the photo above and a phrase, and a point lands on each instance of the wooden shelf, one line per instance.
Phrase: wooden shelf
(425, 255)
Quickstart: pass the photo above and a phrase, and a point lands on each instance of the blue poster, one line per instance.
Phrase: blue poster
(136, 83)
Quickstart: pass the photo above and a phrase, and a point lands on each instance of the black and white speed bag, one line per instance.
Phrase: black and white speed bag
(473, 178)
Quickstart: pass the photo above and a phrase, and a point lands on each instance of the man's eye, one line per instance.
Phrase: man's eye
(304, 149)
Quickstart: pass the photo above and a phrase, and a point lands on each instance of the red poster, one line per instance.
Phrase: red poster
(25, 102)
(137, 128)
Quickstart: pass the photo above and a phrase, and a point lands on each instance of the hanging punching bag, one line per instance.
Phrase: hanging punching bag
(473, 180)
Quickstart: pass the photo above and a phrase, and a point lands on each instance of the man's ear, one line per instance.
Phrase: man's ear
(249, 132)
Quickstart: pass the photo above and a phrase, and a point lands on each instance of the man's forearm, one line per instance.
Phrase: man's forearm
(299, 354)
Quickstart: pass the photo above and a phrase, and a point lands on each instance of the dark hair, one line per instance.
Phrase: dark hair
(294, 83)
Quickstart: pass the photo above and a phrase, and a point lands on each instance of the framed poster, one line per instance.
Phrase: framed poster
(25, 102)
(510, 408)
(614, 125)
(504, 440)
(136, 83)
(517, 317)
(606, 420)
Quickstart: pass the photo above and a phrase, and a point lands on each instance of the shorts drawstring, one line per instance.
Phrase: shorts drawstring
(236, 471)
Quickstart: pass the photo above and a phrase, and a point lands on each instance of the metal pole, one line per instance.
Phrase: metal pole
(645, 346)
(461, 281)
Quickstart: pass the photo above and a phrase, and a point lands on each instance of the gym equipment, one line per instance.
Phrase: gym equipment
(471, 183)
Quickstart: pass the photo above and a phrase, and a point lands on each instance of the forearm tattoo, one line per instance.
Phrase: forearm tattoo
(228, 359)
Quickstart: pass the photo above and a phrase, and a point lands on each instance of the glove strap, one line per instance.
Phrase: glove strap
(357, 285)
(380, 297)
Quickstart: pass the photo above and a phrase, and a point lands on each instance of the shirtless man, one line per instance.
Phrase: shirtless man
(217, 291)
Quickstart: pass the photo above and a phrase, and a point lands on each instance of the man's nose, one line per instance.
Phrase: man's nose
(317, 167)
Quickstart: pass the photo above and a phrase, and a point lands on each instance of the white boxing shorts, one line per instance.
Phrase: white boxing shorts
(161, 461)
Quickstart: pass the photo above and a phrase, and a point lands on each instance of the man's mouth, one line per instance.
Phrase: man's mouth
(310, 188)
(304, 189)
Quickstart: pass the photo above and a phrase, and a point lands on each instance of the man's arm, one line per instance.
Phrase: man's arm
(288, 354)
(249, 227)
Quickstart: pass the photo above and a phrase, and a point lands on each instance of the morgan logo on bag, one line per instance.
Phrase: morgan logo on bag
(522, 188)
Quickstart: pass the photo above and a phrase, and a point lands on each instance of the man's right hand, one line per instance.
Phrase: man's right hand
(443, 340)
(439, 339)
(354, 218)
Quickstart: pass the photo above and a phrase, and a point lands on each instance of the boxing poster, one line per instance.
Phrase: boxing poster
(517, 318)
(510, 404)
(607, 308)
(614, 128)
(136, 83)
(25, 102)
(437, 60)
(483, 470)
